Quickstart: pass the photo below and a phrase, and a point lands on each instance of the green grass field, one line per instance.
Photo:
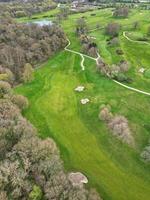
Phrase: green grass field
(85, 143)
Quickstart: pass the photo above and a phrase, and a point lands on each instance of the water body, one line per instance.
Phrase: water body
(43, 22)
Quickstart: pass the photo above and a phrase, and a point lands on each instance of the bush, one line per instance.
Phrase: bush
(143, 39)
(122, 78)
(145, 155)
(147, 73)
(93, 14)
(119, 51)
(20, 14)
(105, 114)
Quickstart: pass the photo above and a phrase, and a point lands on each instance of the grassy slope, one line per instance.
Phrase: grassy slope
(84, 141)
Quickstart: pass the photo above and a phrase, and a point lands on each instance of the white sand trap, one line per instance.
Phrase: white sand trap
(141, 70)
(77, 178)
(79, 88)
(93, 37)
(84, 101)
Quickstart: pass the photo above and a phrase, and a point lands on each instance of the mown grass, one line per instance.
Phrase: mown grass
(85, 143)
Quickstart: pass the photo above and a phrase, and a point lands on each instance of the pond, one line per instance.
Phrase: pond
(43, 22)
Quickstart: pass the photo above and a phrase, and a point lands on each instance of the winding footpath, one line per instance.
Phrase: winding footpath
(135, 41)
(98, 56)
(80, 54)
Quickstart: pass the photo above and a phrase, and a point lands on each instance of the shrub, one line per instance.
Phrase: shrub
(93, 14)
(119, 51)
(145, 155)
(105, 114)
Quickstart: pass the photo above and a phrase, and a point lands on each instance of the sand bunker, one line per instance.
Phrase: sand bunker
(141, 70)
(79, 88)
(77, 178)
(84, 101)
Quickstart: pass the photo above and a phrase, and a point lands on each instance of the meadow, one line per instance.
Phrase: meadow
(85, 142)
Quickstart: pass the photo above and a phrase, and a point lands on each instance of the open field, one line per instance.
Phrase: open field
(85, 143)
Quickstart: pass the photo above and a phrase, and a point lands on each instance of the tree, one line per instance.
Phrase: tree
(5, 88)
(28, 73)
(136, 25)
(81, 26)
(120, 128)
(124, 66)
(20, 101)
(121, 12)
(103, 68)
(113, 29)
(93, 195)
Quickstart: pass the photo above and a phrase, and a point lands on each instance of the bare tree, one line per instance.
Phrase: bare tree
(121, 12)
(113, 29)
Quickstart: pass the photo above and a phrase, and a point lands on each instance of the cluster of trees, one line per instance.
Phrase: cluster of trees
(81, 26)
(27, 43)
(21, 8)
(121, 12)
(88, 46)
(117, 124)
(30, 168)
(63, 14)
(115, 71)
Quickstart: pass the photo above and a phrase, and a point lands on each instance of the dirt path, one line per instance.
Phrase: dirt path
(135, 41)
(131, 88)
(80, 54)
